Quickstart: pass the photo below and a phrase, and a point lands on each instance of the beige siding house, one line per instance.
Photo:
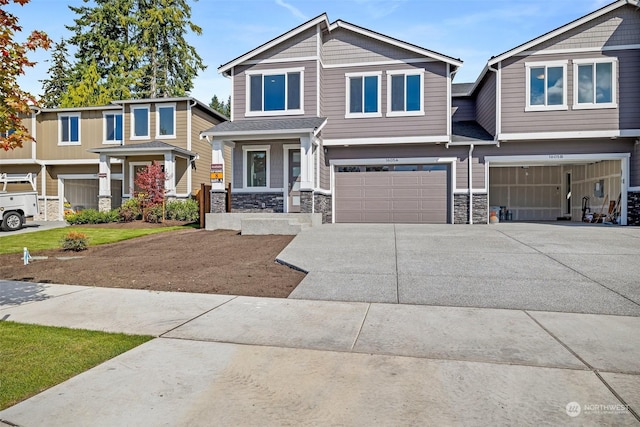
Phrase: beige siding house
(87, 157)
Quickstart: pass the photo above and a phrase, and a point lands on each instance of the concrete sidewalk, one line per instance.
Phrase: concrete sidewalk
(228, 360)
(525, 266)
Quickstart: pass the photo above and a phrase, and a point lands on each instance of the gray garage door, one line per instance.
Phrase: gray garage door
(395, 194)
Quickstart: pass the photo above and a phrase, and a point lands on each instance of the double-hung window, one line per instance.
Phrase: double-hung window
(256, 166)
(363, 94)
(275, 92)
(546, 86)
(69, 129)
(405, 90)
(594, 83)
(140, 122)
(112, 128)
(165, 121)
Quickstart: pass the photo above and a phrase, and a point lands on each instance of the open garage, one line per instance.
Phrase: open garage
(400, 193)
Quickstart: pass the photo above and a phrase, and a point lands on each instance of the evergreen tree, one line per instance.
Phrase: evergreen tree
(57, 83)
(220, 106)
(87, 88)
(169, 63)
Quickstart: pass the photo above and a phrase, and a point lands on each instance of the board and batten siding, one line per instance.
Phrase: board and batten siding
(302, 45)
(433, 123)
(341, 47)
(486, 103)
(240, 88)
(616, 28)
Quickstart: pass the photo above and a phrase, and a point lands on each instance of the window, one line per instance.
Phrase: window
(546, 86)
(256, 166)
(112, 128)
(404, 93)
(277, 93)
(165, 121)
(363, 94)
(7, 133)
(69, 129)
(594, 83)
(140, 122)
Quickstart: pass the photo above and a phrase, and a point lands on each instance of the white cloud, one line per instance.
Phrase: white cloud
(294, 10)
(377, 9)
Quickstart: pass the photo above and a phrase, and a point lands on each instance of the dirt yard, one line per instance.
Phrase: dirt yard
(190, 260)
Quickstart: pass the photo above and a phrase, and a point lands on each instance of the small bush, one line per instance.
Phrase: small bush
(183, 210)
(130, 210)
(92, 216)
(153, 214)
(75, 241)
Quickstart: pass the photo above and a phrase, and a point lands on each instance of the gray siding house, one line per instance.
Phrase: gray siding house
(362, 127)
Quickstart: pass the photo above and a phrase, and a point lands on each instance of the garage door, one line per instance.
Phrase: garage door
(83, 193)
(395, 194)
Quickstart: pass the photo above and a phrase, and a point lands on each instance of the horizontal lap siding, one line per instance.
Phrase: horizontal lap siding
(629, 87)
(201, 121)
(463, 109)
(477, 173)
(276, 162)
(434, 122)
(325, 179)
(240, 89)
(486, 103)
(526, 148)
(91, 136)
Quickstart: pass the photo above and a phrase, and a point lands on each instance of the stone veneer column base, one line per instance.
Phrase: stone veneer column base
(53, 210)
(104, 203)
(461, 208)
(633, 208)
(322, 204)
(218, 201)
(306, 201)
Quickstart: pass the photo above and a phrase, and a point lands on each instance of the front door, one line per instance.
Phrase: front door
(293, 198)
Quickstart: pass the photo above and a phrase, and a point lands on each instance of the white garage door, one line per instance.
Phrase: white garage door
(392, 194)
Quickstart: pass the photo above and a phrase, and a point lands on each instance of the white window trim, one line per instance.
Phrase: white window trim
(104, 128)
(614, 88)
(348, 114)
(409, 72)
(133, 121)
(132, 165)
(157, 108)
(286, 111)
(60, 141)
(245, 150)
(546, 64)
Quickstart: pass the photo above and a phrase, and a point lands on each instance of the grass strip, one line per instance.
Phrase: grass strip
(35, 358)
(50, 239)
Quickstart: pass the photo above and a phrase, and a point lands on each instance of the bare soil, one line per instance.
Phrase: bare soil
(189, 260)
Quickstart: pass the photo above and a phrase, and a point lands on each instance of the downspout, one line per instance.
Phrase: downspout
(43, 167)
(470, 165)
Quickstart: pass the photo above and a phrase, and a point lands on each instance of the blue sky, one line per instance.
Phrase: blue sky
(472, 30)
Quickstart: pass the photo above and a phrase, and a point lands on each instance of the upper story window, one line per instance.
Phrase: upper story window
(69, 129)
(275, 92)
(140, 122)
(594, 83)
(166, 121)
(256, 166)
(404, 93)
(363, 94)
(546, 86)
(112, 128)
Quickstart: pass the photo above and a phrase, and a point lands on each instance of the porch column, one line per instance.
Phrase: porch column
(104, 183)
(217, 165)
(306, 163)
(170, 175)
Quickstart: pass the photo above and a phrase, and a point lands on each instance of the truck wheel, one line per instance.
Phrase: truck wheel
(12, 221)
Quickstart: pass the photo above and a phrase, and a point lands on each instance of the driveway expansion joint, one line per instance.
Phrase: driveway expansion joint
(364, 319)
(196, 317)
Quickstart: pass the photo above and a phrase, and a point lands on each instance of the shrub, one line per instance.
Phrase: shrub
(92, 216)
(75, 241)
(183, 210)
(153, 214)
(130, 210)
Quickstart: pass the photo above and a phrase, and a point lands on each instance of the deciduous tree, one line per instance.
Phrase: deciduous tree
(14, 101)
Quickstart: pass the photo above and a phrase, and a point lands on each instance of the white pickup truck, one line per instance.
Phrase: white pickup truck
(15, 207)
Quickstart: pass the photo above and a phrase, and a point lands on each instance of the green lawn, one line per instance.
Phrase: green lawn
(50, 239)
(34, 358)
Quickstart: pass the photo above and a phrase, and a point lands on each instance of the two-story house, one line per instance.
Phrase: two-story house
(563, 117)
(88, 157)
(338, 119)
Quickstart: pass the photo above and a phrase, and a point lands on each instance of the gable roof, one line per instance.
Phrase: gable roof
(225, 69)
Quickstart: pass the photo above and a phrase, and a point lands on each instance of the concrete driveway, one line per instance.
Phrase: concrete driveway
(548, 267)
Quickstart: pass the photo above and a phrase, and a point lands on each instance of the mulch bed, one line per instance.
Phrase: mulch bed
(189, 260)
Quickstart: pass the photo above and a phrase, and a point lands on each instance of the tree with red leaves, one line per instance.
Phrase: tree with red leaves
(150, 184)
(15, 102)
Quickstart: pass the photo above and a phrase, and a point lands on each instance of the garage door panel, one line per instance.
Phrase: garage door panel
(403, 196)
